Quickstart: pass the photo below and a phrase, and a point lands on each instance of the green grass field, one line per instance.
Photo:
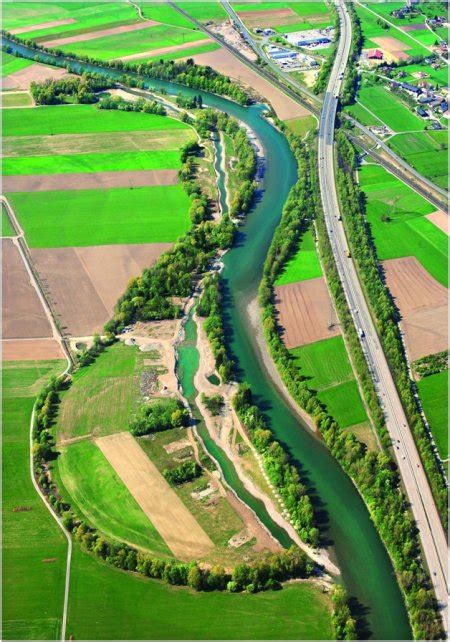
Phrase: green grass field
(362, 114)
(183, 53)
(122, 215)
(81, 119)
(107, 603)
(86, 16)
(388, 108)
(301, 126)
(11, 64)
(427, 152)
(433, 392)
(85, 163)
(103, 395)
(303, 265)
(7, 229)
(16, 99)
(371, 29)
(407, 233)
(204, 11)
(438, 76)
(303, 9)
(127, 43)
(97, 492)
(34, 549)
(327, 369)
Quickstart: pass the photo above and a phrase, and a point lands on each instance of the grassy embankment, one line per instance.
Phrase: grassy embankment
(433, 391)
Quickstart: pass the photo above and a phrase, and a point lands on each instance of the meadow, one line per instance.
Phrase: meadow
(96, 492)
(16, 99)
(103, 396)
(34, 549)
(183, 53)
(371, 29)
(107, 603)
(301, 126)
(396, 215)
(11, 64)
(127, 43)
(87, 16)
(303, 265)
(303, 9)
(122, 215)
(81, 119)
(205, 11)
(427, 152)
(326, 368)
(85, 163)
(388, 108)
(433, 391)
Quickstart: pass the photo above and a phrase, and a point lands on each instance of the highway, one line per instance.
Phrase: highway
(432, 535)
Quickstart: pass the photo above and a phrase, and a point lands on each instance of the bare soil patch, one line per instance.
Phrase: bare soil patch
(94, 143)
(269, 13)
(86, 282)
(95, 180)
(224, 62)
(391, 44)
(182, 533)
(164, 50)
(269, 18)
(37, 73)
(422, 302)
(31, 349)
(93, 35)
(43, 25)
(23, 315)
(8, 82)
(305, 312)
(440, 219)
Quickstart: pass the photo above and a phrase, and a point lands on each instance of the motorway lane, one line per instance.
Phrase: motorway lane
(431, 532)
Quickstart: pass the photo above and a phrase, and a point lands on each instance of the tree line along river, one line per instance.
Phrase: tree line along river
(345, 522)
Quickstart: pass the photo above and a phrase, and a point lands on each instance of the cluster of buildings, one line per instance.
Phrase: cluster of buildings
(291, 60)
(311, 38)
(428, 100)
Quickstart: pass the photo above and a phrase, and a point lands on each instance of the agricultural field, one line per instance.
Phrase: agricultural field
(397, 43)
(11, 64)
(34, 549)
(426, 152)
(7, 229)
(326, 368)
(433, 391)
(178, 52)
(304, 264)
(284, 17)
(397, 217)
(108, 603)
(387, 107)
(94, 490)
(301, 126)
(103, 397)
(16, 99)
(205, 11)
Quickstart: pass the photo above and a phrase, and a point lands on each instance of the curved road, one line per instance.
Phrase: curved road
(432, 535)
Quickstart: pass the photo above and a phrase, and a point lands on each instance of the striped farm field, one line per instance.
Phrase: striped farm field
(427, 152)
(11, 64)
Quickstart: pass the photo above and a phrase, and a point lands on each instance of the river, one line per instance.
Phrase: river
(366, 569)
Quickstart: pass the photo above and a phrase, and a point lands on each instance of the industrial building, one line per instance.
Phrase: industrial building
(310, 38)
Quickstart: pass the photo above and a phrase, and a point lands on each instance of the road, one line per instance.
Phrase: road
(413, 178)
(432, 535)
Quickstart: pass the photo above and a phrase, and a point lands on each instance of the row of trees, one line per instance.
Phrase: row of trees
(281, 472)
(140, 105)
(351, 73)
(183, 72)
(69, 90)
(431, 364)
(364, 252)
(209, 306)
(88, 355)
(158, 416)
(183, 473)
(374, 474)
(322, 79)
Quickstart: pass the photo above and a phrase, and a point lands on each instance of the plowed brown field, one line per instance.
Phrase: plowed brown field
(94, 180)
(440, 219)
(86, 282)
(305, 312)
(36, 73)
(422, 302)
(180, 530)
(23, 315)
(31, 349)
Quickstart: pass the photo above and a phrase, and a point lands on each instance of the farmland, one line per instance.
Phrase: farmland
(34, 549)
(326, 368)
(396, 215)
(16, 99)
(94, 490)
(303, 265)
(108, 603)
(7, 229)
(426, 152)
(301, 126)
(11, 64)
(433, 395)
(64, 218)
